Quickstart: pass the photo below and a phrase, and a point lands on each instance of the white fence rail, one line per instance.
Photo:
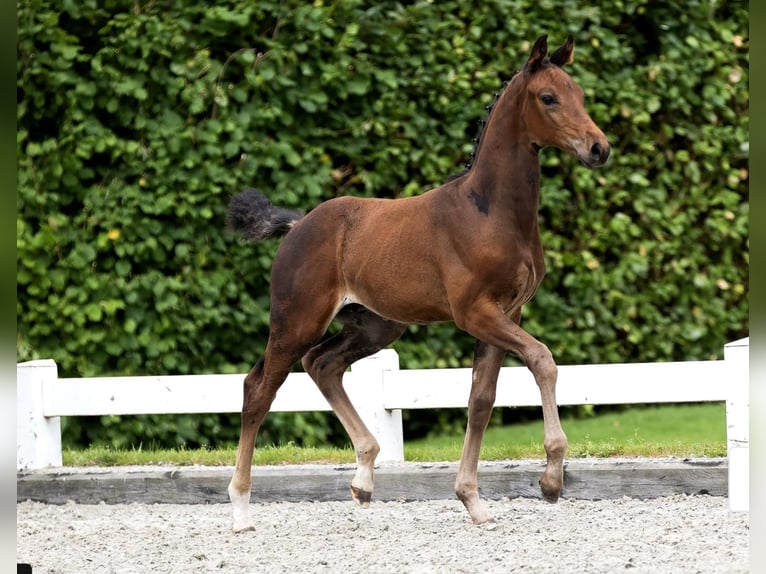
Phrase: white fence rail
(380, 391)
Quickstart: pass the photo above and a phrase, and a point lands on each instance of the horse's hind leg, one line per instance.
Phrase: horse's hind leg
(363, 334)
(260, 388)
(287, 344)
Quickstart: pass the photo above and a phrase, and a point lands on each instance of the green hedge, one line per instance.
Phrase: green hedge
(136, 123)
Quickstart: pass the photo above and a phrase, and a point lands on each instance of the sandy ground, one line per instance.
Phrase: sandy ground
(673, 534)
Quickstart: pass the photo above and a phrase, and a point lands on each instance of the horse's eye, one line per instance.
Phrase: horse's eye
(547, 99)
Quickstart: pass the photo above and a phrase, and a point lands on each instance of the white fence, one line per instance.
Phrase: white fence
(380, 391)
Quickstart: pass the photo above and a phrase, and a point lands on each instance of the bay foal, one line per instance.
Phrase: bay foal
(468, 251)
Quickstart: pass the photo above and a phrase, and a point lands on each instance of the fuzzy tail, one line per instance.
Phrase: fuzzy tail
(255, 218)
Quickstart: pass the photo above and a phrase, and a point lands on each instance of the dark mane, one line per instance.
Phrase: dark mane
(457, 175)
(480, 131)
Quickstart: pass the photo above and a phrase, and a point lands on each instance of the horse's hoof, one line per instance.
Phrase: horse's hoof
(361, 497)
(553, 498)
(484, 519)
(243, 528)
(550, 493)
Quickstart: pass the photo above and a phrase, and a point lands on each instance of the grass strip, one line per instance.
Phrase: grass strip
(670, 430)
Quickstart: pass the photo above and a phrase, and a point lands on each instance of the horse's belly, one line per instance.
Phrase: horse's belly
(402, 301)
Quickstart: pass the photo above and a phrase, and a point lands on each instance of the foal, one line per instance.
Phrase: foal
(468, 251)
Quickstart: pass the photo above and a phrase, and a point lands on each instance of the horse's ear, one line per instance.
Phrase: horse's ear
(536, 57)
(564, 54)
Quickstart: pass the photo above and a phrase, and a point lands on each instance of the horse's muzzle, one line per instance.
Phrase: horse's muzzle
(597, 155)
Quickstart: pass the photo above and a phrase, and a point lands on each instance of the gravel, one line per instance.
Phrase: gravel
(672, 534)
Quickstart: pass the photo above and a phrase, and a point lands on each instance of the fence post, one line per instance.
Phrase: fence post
(38, 439)
(385, 425)
(737, 354)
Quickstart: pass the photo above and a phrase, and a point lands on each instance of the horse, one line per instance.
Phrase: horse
(468, 251)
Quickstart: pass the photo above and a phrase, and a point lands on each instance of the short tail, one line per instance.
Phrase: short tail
(255, 218)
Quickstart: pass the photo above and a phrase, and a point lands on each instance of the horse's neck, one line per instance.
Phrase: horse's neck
(506, 171)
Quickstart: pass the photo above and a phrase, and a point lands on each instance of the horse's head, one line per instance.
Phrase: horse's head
(553, 106)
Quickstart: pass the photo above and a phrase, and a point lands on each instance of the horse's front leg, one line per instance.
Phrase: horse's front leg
(486, 366)
(544, 369)
(488, 323)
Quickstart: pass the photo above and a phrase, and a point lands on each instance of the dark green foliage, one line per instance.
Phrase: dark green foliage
(137, 122)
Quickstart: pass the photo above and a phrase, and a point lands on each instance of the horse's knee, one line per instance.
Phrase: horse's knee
(540, 362)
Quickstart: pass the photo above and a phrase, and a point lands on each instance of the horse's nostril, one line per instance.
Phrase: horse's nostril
(599, 153)
(595, 151)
